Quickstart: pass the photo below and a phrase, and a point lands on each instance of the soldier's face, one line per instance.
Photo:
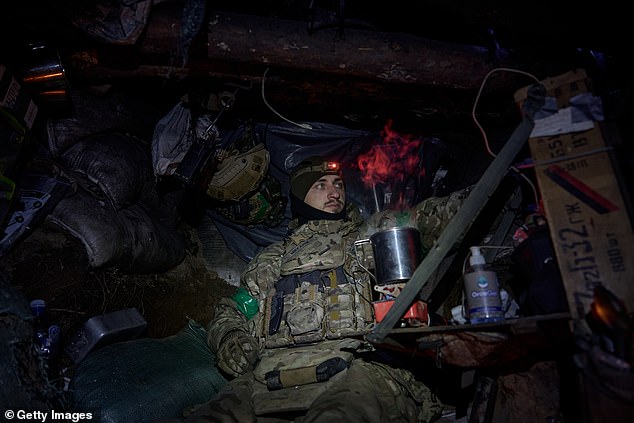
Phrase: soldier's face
(328, 193)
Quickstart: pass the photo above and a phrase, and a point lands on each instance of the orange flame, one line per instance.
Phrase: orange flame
(393, 162)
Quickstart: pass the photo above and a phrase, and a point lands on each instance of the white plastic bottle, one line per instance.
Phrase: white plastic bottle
(482, 291)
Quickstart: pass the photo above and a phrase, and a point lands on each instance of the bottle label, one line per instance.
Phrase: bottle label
(482, 295)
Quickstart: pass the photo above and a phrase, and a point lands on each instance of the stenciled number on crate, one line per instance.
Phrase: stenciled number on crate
(576, 240)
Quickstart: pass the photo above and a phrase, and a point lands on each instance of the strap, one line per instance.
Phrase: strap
(278, 379)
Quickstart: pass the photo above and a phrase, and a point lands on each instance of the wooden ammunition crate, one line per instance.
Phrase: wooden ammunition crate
(584, 203)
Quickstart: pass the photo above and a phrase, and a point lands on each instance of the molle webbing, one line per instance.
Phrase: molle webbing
(334, 314)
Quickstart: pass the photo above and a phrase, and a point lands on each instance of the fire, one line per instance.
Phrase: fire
(394, 162)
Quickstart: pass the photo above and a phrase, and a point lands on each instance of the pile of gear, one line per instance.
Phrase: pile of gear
(232, 169)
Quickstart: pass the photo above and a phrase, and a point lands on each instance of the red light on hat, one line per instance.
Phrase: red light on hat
(331, 166)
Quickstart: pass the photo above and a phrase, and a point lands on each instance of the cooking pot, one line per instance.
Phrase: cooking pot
(397, 254)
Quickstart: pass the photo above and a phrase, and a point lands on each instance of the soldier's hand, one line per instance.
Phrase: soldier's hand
(238, 353)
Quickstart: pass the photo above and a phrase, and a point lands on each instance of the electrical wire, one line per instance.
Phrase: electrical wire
(477, 99)
(483, 132)
(301, 125)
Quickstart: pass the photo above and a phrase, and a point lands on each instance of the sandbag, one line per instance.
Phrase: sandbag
(133, 238)
(93, 113)
(116, 163)
(147, 379)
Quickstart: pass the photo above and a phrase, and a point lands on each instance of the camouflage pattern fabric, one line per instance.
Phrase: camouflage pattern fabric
(433, 214)
(373, 392)
(366, 391)
(283, 359)
(239, 352)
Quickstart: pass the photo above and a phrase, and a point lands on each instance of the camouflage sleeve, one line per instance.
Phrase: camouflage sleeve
(385, 219)
(430, 216)
(261, 273)
(434, 213)
(227, 318)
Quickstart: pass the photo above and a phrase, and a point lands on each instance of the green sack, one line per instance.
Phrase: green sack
(147, 379)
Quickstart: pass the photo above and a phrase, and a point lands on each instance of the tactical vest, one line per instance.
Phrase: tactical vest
(317, 305)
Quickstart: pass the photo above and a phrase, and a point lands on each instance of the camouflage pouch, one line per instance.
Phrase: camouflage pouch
(305, 318)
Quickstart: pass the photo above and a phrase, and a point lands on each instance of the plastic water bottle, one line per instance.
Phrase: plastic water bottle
(482, 291)
(38, 309)
(46, 335)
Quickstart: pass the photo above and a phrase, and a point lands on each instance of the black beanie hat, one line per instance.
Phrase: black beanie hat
(308, 171)
(302, 178)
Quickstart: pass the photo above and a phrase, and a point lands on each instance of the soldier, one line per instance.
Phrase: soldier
(299, 357)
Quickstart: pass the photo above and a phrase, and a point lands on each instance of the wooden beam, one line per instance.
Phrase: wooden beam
(270, 42)
(364, 72)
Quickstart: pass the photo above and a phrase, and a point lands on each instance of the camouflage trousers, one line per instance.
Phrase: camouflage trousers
(365, 392)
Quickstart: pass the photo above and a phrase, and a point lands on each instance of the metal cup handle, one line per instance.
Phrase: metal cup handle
(357, 245)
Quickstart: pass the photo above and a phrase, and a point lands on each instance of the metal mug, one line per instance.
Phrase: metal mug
(397, 254)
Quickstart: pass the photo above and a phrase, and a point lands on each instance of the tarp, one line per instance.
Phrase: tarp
(289, 144)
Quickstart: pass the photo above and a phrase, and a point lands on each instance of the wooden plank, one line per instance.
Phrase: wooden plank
(586, 209)
(508, 325)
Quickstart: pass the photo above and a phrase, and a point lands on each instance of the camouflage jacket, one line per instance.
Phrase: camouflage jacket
(312, 285)
(309, 288)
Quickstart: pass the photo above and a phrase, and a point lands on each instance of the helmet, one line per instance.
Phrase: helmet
(239, 174)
